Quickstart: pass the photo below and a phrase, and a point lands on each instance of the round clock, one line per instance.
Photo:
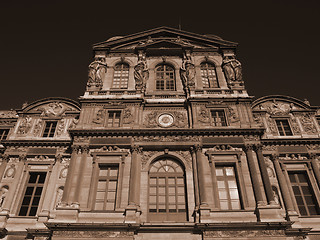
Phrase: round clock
(165, 120)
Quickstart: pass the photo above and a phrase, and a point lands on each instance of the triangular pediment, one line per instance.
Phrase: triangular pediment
(164, 37)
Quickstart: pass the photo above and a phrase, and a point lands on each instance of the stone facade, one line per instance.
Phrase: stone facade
(165, 143)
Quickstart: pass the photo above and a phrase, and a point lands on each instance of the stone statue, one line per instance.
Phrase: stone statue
(3, 193)
(141, 73)
(97, 69)
(232, 69)
(187, 73)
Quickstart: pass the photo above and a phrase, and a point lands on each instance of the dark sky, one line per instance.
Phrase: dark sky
(45, 46)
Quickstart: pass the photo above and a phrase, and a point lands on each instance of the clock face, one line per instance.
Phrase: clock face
(165, 120)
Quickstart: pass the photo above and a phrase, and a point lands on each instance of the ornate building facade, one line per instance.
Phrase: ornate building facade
(165, 143)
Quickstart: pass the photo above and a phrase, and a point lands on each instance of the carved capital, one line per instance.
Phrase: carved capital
(136, 148)
(23, 157)
(197, 147)
(75, 148)
(85, 149)
(274, 156)
(5, 157)
(258, 147)
(313, 155)
(248, 147)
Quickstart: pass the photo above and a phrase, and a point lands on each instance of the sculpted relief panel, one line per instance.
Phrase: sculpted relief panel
(165, 119)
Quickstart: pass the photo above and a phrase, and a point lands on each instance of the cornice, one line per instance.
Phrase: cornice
(51, 143)
(290, 141)
(169, 131)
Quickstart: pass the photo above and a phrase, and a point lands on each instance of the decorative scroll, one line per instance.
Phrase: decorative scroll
(307, 124)
(167, 139)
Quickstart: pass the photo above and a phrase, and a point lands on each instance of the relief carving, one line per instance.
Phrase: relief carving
(110, 149)
(141, 72)
(222, 148)
(37, 128)
(272, 126)
(74, 123)
(54, 109)
(186, 156)
(269, 147)
(166, 138)
(293, 157)
(295, 126)
(257, 118)
(92, 234)
(307, 124)
(203, 115)
(269, 166)
(99, 118)
(243, 233)
(233, 116)
(232, 69)
(8, 114)
(3, 194)
(127, 116)
(60, 127)
(25, 126)
(179, 120)
(146, 155)
(97, 70)
(10, 172)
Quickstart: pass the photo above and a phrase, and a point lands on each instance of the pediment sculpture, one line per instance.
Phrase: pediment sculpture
(54, 109)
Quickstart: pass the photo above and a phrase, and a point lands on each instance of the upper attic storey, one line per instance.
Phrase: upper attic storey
(164, 63)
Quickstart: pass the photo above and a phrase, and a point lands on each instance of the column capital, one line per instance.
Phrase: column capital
(313, 155)
(22, 157)
(85, 148)
(258, 147)
(197, 147)
(274, 156)
(136, 148)
(5, 157)
(248, 147)
(75, 148)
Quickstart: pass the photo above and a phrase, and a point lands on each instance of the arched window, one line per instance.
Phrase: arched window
(165, 78)
(121, 76)
(208, 75)
(167, 198)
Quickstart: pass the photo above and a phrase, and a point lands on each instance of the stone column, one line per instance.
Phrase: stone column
(265, 177)
(315, 167)
(214, 183)
(79, 176)
(195, 178)
(67, 187)
(283, 185)
(254, 176)
(135, 177)
(201, 174)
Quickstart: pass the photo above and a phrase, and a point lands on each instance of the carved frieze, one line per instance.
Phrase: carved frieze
(293, 157)
(25, 126)
(222, 148)
(110, 149)
(269, 147)
(242, 233)
(178, 138)
(92, 234)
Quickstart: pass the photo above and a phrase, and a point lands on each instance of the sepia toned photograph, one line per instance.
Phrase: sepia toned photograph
(159, 120)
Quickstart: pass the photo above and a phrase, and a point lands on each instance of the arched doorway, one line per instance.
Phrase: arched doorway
(167, 192)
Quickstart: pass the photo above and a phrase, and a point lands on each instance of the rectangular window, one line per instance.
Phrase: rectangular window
(106, 188)
(50, 129)
(303, 193)
(113, 118)
(32, 193)
(218, 118)
(228, 188)
(284, 127)
(4, 134)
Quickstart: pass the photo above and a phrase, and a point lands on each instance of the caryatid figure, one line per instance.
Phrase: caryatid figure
(141, 73)
(232, 69)
(97, 69)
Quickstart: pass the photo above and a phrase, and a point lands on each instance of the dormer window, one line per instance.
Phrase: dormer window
(208, 75)
(283, 127)
(50, 129)
(165, 78)
(121, 76)
(218, 118)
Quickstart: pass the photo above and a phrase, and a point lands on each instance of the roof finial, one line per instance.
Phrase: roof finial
(179, 22)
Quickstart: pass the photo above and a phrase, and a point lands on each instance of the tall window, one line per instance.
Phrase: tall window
(106, 188)
(32, 195)
(113, 118)
(208, 75)
(167, 198)
(218, 118)
(165, 78)
(50, 129)
(303, 193)
(121, 76)
(4, 134)
(284, 127)
(228, 188)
